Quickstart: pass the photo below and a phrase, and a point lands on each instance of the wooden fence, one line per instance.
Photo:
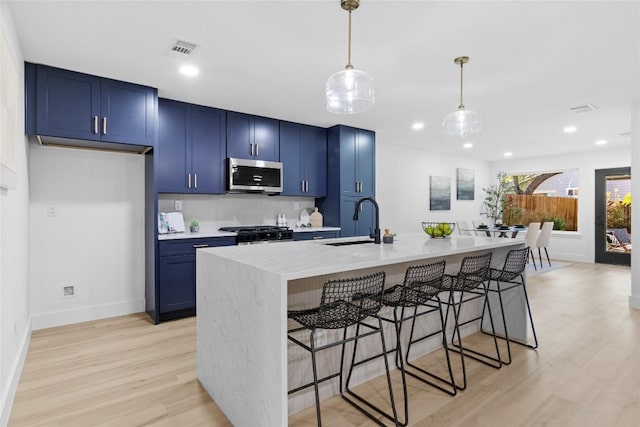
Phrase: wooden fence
(542, 208)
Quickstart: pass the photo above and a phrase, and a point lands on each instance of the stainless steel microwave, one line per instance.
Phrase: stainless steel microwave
(248, 175)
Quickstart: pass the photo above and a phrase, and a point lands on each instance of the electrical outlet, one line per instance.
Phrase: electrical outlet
(177, 205)
(296, 205)
(68, 291)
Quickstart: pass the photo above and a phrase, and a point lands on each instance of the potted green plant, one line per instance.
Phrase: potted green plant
(494, 199)
(195, 226)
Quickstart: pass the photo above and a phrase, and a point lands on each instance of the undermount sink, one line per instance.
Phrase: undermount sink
(352, 242)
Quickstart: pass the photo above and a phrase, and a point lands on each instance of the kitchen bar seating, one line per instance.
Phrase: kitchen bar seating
(416, 297)
(471, 279)
(345, 303)
(512, 275)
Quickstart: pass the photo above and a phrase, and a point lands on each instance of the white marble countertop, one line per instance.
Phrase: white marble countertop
(294, 260)
(312, 229)
(199, 235)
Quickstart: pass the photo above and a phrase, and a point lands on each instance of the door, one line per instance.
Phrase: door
(173, 165)
(207, 150)
(613, 216)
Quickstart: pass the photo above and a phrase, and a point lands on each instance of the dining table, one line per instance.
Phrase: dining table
(500, 231)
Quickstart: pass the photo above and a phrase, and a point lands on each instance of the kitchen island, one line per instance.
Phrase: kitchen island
(243, 293)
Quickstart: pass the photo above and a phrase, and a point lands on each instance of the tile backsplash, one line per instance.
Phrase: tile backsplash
(214, 211)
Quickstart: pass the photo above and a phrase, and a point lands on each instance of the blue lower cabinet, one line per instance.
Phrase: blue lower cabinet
(176, 290)
(315, 235)
(365, 224)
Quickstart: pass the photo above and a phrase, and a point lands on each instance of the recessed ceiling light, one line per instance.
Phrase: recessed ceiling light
(417, 126)
(468, 145)
(601, 142)
(570, 129)
(508, 154)
(189, 70)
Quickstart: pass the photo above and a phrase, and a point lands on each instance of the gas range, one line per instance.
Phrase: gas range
(251, 234)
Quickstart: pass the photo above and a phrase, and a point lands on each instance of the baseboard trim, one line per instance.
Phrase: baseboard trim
(85, 314)
(14, 377)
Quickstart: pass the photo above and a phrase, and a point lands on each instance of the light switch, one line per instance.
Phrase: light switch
(52, 209)
(178, 205)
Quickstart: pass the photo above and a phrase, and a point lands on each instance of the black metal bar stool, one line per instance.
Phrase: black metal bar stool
(471, 280)
(512, 274)
(419, 290)
(345, 303)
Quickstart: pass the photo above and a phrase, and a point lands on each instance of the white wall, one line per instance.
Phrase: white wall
(95, 241)
(402, 187)
(578, 246)
(15, 328)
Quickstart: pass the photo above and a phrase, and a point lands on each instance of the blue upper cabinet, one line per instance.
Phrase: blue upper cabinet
(85, 107)
(303, 152)
(252, 137)
(356, 149)
(191, 148)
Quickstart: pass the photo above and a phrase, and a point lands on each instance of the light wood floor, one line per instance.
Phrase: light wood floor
(126, 372)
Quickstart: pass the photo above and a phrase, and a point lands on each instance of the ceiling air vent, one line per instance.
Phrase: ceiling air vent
(625, 134)
(583, 108)
(182, 47)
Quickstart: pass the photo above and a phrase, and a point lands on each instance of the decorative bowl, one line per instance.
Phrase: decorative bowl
(438, 230)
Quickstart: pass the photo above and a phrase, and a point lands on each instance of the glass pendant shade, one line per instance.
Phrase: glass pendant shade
(461, 123)
(349, 92)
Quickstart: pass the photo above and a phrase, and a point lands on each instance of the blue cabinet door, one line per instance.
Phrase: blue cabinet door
(291, 158)
(191, 148)
(81, 106)
(173, 136)
(127, 112)
(252, 137)
(348, 172)
(366, 163)
(67, 104)
(177, 278)
(314, 161)
(207, 150)
(365, 224)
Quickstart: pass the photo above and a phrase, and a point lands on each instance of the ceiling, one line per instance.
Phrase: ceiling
(530, 61)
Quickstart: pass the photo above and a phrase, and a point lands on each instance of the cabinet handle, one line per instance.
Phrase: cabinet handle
(195, 181)
(318, 237)
(357, 187)
(257, 149)
(95, 125)
(307, 186)
(302, 185)
(200, 246)
(104, 125)
(189, 181)
(361, 186)
(252, 148)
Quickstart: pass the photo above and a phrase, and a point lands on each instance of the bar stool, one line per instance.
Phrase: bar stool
(471, 279)
(344, 303)
(512, 274)
(420, 289)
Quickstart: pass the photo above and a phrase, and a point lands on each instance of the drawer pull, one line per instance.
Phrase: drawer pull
(318, 237)
(200, 246)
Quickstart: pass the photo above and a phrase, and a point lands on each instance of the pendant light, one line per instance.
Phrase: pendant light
(462, 122)
(349, 91)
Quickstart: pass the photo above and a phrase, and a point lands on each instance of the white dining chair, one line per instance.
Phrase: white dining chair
(543, 240)
(463, 228)
(531, 238)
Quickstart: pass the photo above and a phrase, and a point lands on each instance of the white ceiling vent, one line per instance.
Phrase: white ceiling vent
(583, 108)
(625, 134)
(184, 48)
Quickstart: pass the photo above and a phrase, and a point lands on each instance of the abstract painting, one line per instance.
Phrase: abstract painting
(465, 184)
(440, 193)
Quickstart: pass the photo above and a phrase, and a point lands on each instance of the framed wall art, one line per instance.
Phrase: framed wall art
(465, 184)
(439, 193)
